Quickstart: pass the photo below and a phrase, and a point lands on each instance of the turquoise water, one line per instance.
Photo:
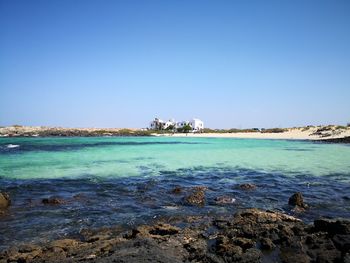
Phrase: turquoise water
(129, 180)
(123, 157)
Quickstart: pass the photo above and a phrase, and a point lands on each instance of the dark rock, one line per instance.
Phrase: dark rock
(346, 258)
(336, 140)
(243, 237)
(247, 186)
(321, 248)
(292, 256)
(244, 243)
(27, 248)
(5, 200)
(53, 201)
(251, 255)
(177, 190)
(164, 229)
(332, 226)
(145, 250)
(154, 231)
(267, 244)
(196, 197)
(297, 200)
(342, 242)
(225, 247)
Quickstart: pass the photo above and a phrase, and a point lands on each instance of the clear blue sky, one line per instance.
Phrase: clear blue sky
(121, 63)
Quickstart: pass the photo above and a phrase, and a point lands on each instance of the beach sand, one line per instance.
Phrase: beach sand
(312, 133)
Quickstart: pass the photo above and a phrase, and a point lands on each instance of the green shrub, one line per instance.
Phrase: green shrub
(273, 130)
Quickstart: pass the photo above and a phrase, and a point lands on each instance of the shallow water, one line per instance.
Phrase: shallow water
(127, 181)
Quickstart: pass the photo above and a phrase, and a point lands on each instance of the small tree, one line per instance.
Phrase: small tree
(170, 127)
(187, 128)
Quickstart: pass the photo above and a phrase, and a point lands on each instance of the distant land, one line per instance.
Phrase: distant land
(332, 133)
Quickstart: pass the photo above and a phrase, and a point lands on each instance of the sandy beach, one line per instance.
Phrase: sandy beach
(303, 133)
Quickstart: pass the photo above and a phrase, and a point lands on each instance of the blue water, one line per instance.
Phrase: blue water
(128, 181)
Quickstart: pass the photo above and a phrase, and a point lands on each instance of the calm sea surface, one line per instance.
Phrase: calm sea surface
(128, 180)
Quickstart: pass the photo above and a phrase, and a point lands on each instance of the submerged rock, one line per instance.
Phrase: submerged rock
(53, 201)
(196, 197)
(177, 190)
(5, 200)
(248, 186)
(297, 200)
(224, 200)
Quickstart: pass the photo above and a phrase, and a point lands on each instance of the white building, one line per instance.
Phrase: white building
(181, 124)
(169, 123)
(157, 124)
(197, 125)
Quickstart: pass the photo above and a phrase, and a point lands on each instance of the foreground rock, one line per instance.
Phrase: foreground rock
(249, 236)
(5, 200)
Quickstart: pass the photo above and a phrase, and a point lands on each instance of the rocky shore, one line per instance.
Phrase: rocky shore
(27, 131)
(250, 235)
(330, 133)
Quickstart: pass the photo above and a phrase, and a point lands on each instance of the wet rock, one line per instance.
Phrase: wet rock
(225, 247)
(291, 256)
(248, 186)
(231, 238)
(267, 244)
(154, 231)
(164, 229)
(332, 226)
(196, 248)
(342, 242)
(297, 200)
(224, 200)
(244, 243)
(321, 248)
(28, 248)
(5, 200)
(196, 197)
(53, 201)
(177, 190)
(64, 243)
(145, 250)
(251, 255)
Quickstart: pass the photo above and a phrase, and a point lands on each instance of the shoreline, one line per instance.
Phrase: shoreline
(312, 134)
(330, 133)
(250, 235)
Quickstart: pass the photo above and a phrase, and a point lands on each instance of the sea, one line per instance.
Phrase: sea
(127, 181)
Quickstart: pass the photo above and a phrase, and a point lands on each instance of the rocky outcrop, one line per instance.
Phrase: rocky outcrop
(251, 235)
(196, 196)
(5, 200)
(297, 200)
(247, 186)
